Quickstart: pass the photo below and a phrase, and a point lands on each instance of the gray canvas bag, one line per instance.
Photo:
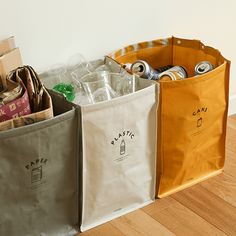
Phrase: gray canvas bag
(87, 165)
(38, 175)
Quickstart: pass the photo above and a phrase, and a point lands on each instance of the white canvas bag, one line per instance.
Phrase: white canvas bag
(119, 149)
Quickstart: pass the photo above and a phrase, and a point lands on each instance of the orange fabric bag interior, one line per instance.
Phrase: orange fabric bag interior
(192, 112)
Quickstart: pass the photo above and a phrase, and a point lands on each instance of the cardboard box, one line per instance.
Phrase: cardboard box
(7, 45)
(9, 62)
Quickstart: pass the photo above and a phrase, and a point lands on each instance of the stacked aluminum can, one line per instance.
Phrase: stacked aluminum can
(166, 73)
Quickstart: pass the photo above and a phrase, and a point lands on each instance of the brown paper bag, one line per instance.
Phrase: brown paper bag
(14, 90)
(39, 99)
(30, 79)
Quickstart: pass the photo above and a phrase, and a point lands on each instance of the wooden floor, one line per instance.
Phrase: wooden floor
(208, 208)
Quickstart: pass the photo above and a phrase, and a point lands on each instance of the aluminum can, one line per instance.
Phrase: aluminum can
(144, 70)
(174, 73)
(203, 67)
(127, 67)
(163, 68)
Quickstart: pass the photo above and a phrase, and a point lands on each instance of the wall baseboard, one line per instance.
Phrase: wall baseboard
(232, 105)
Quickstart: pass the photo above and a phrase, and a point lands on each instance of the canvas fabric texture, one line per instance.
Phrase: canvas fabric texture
(84, 166)
(38, 169)
(192, 114)
(119, 144)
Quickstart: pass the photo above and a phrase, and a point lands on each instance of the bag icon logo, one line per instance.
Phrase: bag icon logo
(36, 171)
(122, 147)
(199, 122)
(36, 174)
(198, 113)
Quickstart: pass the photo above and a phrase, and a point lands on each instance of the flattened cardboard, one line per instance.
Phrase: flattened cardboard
(9, 62)
(7, 45)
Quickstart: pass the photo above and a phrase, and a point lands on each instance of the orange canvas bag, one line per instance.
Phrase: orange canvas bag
(192, 112)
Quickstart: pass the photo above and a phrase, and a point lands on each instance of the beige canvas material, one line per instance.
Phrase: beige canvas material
(114, 180)
(192, 115)
(38, 169)
(118, 142)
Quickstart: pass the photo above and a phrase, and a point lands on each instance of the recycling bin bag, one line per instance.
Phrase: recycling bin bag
(116, 150)
(192, 114)
(38, 175)
(118, 161)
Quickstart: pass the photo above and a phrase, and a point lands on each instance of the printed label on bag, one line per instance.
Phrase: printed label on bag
(121, 144)
(36, 172)
(199, 118)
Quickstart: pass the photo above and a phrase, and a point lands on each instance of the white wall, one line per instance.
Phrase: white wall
(49, 31)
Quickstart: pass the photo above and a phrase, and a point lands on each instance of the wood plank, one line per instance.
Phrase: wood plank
(232, 117)
(231, 140)
(223, 186)
(230, 163)
(138, 223)
(210, 207)
(179, 219)
(231, 136)
(102, 230)
(160, 204)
